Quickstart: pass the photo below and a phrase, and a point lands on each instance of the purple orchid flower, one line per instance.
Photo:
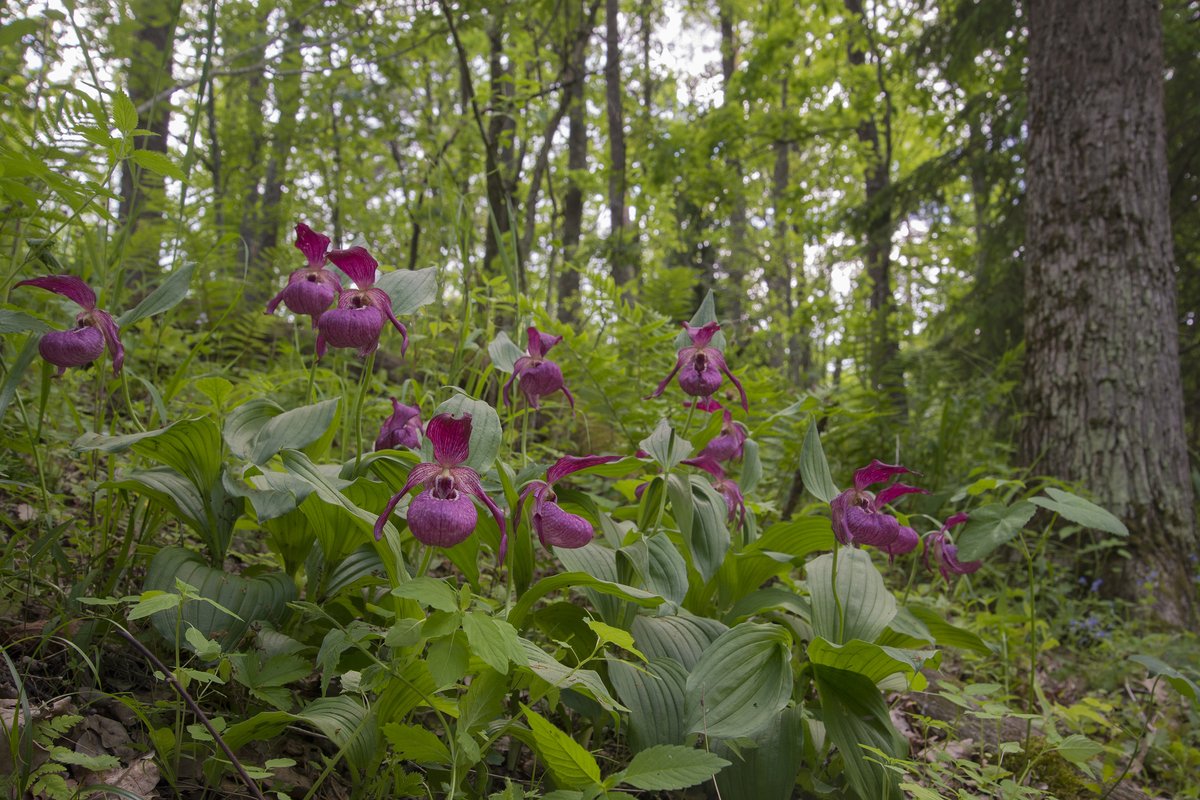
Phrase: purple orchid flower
(94, 328)
(539, 375)
(443, 515)
(700, 366)
(555, 527)
(730, 442)
(735, 501)
(402, 429)
(857, 518)
(361, 312)
(309, 290)
(946, 554)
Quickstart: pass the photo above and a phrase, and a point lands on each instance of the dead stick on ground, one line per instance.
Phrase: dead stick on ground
(187, 698)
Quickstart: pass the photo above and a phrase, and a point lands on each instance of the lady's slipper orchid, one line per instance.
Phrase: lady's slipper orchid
(856, 514)
(361, 312)
(946, 554)
(94, 328)
(401, 429)
(735, 501)
(730, 442)
(555, 527)
(443, 515)
(539, 376)
(309, 290)
(701, 366)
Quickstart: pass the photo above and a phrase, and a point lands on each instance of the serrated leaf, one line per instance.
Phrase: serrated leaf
(610, 635)
(571, 765)
(667, 766)
(124, 113)
(1076, 509)
(495, 641)
(429, 592)
(1078, 749)
(159, 163)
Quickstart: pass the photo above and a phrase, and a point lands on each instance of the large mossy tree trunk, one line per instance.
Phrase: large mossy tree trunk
(1102, 373)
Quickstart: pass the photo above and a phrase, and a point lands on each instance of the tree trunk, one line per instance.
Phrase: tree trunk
(149, 51)
(790, 349)
(885, 370)
(733, 288)
(568, 281)
(620, 250)
(1102, 366)
(501, 130)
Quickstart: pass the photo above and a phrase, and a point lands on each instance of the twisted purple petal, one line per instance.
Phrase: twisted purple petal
(570, 464)
(877, 472)
(313, 245)
(540, 343)
(112, 338)
(703, 335)
(358, 264)
(662, 387)
(66, 285)
(719, 359)
(890, 493)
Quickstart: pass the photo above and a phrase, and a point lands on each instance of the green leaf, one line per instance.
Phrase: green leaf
(1076, 509)
(259, 429)
(872, 661)
(429, 592)
(563, 580)
(867, 605)
(765, 768)
(542, 665)
(414, 743)
(797, 537)
(409, 289)
(683, 638)
(504, 353)
(495, 641)
(1180, 682)
(665, 446)
(343, 719)
(159, 163)
(16, 372)
(486, 431)
(152, 602)
(204, 647)
(947, 635)
(856, 716)
(751, 467)
(708, 539)
(263, 598)
(667, 766)
(20, 322)
(814, 469)
(990, 527)
(607, 634)
(168, 295)
(740, 682)
(124, 113)
(654, 694)
(571, 766)
(1078, 749)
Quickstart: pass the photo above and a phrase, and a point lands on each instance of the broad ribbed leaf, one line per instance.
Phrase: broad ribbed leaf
(654, 693)
(667, 766)
(682, 638)
(741, 682)
(766, 768)
(20, 322)
(258, 599)
(409, 289)
(866, 604)
(992, 526)
(856, 715)
(870, 660)
(666, 446)
(797, 538)
(708, 539)
(340, 718)
(947, 635)
(814, 469)
(504, 352)
(168, 295)
(580, 580)
(259, 429)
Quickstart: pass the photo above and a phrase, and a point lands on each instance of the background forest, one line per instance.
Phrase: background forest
(872, 199)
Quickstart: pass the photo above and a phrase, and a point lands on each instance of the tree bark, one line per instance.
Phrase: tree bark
(149, 51)
(568, 281)
(620, 250)
(734, 288)
(1102, 377)
(885, 370)
(499, 161)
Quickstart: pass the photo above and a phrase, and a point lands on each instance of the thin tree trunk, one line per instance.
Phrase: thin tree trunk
(500, 133)
(734, 288)
(568, 281)
(1102, 374)
(884, 368)
(620, 250)
(142, 200)
(791, 350)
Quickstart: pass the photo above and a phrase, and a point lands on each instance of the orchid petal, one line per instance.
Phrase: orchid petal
(703, 335)
(380, 299)
(570, 464)
(519, 366)
(708, 464)
(558, 528)
(467, 480)
(521, 498)
(451, 438)
(716, 356)
(314, 245)
(679, 362)
(864, 527)
(68, 286)
(877, 472)
(357, 263)
(540, 343)
(570, 397)
(890, 493)
(955, 520)
(708, 404)
(112, 338)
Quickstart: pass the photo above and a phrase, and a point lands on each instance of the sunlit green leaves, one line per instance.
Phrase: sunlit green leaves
(571, 765)
(1076, 509)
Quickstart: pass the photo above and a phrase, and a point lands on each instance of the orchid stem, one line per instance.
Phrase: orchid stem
(312, 375)
(687, 426)
(363, 385)
(525, 438)
(426, 559)
(837, 598)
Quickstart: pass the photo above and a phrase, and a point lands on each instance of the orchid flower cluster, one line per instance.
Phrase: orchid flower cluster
(859, 518)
